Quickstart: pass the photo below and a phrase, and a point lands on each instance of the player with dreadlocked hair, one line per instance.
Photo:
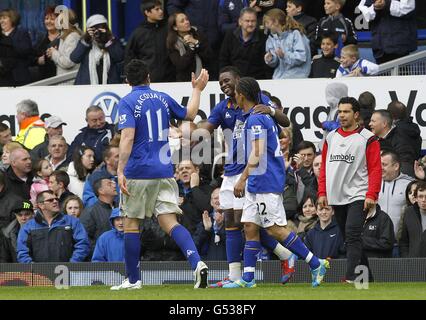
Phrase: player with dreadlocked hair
(264, 175)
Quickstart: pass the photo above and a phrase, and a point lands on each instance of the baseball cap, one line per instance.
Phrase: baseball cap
(22, 205)
(95, 19)
(53, 122)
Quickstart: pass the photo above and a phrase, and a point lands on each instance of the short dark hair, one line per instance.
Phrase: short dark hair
(367, 100)
(352, 101)
(250, 88)
(149, 5)
(93, 109)
(298, 3)
(277, 102)
(305, 145)
(394, 156)
(231, 69)
(41, 195)
(386, 115)
(61, 177)
(3, 127)
(136, 72)
(421, 186)
(333, 36)
(398, 110)
(97, 184)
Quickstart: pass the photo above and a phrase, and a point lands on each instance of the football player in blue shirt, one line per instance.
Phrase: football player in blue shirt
(264, 175)
(145, 171)
(229, 116)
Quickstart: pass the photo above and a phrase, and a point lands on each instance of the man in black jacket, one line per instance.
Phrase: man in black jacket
(7, 201)
(244, 47)
(408, 130)
(413, 237)
(97, 134)
(18, 176)
(148, 43)
(95, 219)
(392, 138)
(378, 238)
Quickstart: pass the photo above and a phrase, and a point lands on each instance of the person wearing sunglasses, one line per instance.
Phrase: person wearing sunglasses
(52, 236)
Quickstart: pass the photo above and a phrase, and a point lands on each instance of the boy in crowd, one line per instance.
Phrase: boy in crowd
(352, 66)
(325, 65)
(295, 9)
(335, 22)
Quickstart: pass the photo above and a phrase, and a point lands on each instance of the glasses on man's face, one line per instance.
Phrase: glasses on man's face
(51, 200)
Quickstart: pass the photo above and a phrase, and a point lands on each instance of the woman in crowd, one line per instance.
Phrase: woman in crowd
(73, 206)
(45, 66)
(69, 38)
(308, 215)
(20, 42)
(287, 47)
(100, 54)
(79, 169)
(187, 47)
(7, 150)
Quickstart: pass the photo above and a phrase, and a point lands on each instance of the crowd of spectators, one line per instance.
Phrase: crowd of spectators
(264, 39)
(60, 198)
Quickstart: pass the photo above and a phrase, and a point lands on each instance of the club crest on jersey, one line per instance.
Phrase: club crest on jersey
(256, 130)
(227, 115)
(348, 158)
(122, 119)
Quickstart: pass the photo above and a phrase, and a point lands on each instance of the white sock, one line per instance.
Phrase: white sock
(235, 271)
(282, 252)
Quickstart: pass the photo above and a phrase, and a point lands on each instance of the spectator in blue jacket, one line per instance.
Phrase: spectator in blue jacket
(52, 236)
(18, 40)
(287, 47)
(110, 245)
(325, 239)
(109, 169)
(100, 54)
(97, 134)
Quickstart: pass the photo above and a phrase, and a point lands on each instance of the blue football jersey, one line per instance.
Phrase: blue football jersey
(269, 176)
(149, 113)
(230, 118)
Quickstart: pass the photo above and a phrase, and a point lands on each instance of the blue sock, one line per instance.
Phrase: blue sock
(132, 249)
(186, 244)
(234, 245)
(266, 240)
(295, 245)
(251, 252)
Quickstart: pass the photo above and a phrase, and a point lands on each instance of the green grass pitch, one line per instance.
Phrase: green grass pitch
(327, 291)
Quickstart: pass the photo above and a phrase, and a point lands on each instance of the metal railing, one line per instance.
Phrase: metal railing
(66, 78)
(411, 65)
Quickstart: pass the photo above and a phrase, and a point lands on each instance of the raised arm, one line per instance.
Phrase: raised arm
(198, 86)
